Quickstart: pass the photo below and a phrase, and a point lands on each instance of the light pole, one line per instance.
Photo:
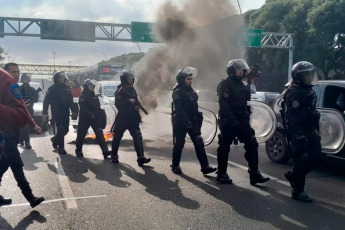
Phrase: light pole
(239, 6)
(54, 59)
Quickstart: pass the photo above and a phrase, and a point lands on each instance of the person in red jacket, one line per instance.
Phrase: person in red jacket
(13, 116)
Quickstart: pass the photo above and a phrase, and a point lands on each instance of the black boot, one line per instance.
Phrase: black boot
(106, 154)
(62, 151)
(55, 146)
(223, 178)
(256, 177)
(176, 169)
(114, 158)
(5, 201)
(28, 145)
(142, 161)
(301, 196)
(79, 153)
(208, 169)
(36, 201)
(289, 176)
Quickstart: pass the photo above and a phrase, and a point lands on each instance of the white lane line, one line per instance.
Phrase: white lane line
(65, 187)
(295, 222)
(246, 168)
(156, 137)
(54, 200)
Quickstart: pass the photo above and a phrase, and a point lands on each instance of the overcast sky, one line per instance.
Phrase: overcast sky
(35, 50)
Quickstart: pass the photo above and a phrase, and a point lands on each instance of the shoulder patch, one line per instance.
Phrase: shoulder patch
(16, 91)
(295, 104)
(175, 96)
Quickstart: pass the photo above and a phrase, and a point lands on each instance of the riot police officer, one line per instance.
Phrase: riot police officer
(187, 119)
(30, 96)
(90, 110)
(128, 117)
(234, 115)
(302, 121)
(59, 97)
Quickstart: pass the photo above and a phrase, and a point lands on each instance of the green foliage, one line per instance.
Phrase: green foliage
(126, 59)
(319, 37)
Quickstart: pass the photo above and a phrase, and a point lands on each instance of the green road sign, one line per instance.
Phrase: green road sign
(142, 32)
(252, 38)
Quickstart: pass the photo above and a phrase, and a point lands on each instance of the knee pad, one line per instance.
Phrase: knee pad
(252, 144)
(306, 163)
(199, 142)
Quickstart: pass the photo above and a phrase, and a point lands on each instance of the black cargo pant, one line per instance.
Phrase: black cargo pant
(62, 128)
(83, 125)
(11, 158)
(121, 125)
(306, 156)
(245, 134)
(180, 131)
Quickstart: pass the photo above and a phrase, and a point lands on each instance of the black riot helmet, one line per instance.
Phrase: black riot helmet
(304, 73)
(237, 64)
(59, 75)
(182, 74)
(88, 83)
(126, 75)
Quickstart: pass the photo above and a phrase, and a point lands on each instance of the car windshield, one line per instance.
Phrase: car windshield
(109, 90)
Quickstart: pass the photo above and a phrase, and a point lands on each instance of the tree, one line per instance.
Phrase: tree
(319, 36)
(126, 59)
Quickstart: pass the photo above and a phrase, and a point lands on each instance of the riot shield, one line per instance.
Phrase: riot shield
(209, 126)
(263, 120)
(332, 128)
(110, 111)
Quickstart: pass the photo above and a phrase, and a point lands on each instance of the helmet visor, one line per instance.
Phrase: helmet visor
(309, 77)
(189, 71)
(239, 64)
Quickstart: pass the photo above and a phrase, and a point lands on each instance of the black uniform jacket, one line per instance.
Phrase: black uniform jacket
(127, 111)
(301, 113)
(60, 98)
(185, 101)
(233, 97)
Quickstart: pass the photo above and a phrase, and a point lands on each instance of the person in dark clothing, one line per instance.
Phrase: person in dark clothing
(128, 117)
(13, 116)
(302, 122)
(59, 97)
(90, 109)
(234, 122)
(187, 119)
(30, 96)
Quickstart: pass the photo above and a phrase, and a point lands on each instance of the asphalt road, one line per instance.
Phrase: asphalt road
(93, 193)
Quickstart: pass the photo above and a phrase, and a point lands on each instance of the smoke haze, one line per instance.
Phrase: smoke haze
(198, 33)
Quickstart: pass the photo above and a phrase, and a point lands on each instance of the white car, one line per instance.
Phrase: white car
(105, 90)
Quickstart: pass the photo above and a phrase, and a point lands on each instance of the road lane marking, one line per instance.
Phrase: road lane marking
(295, 222)
(55, 200)
(65, 187)
(246, 168)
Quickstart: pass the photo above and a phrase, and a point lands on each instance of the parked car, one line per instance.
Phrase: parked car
(330, 94)
(266, 97)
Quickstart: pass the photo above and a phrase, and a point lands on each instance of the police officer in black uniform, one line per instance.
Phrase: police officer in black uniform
(234, 115)
(302, 120)
(128, 117)
(90, 110)
(30, 97)
(59, 97)
(187, 119)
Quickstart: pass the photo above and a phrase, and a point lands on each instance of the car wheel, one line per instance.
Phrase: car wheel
(277, 149)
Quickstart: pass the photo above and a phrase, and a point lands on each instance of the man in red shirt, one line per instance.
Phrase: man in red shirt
(13, 116)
